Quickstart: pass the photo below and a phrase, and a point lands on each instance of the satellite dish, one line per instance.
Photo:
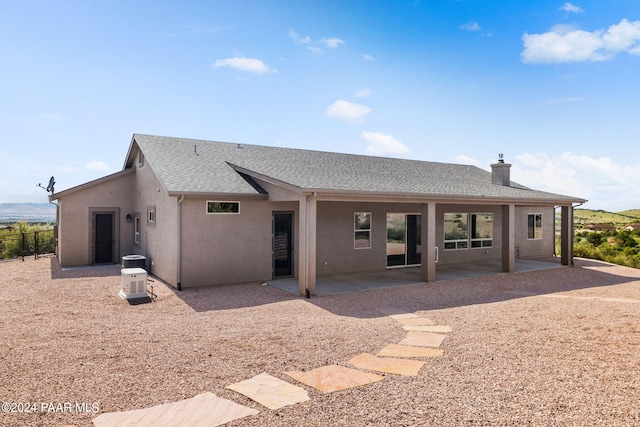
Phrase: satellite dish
(52, 182)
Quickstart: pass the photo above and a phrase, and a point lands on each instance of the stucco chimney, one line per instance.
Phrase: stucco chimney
(501, 172)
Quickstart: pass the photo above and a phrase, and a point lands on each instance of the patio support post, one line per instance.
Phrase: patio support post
(566, 235)
(307, 219)
(508, 238)
(428, 255)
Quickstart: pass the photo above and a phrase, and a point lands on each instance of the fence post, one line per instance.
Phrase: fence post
(35, 245)
(22, 246)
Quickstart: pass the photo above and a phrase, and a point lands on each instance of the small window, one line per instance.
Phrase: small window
(223, 207)
(136, 230)
(362, 230)
(534, 226)
(456, 231)
(140, 159)
(151, 215)
(481, 230)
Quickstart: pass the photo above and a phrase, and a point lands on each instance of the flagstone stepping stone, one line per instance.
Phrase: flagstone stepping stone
(433, 328)
(397, 350)
(203, 410)
(389, 365)
(396, 313)
(334, 378)
(271, 392)
(416, 321)
(423, 339)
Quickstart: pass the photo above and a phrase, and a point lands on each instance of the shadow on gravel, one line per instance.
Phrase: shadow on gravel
(85, 271)
(410, 298)
(480, 290)
(229, 297)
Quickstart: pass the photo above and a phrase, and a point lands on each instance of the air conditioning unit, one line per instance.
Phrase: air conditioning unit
(134, 283)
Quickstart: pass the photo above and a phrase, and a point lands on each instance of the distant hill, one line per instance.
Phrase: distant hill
(618, 219)
(30, 212)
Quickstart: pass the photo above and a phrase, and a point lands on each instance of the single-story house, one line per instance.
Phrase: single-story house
(600, 227)
(208, 213)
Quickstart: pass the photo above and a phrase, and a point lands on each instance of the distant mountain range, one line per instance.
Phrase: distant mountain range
(30, 212)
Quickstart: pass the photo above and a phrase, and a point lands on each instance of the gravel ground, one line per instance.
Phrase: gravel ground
(512, 358)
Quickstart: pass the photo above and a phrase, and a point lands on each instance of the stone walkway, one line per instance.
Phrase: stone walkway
(207, 410)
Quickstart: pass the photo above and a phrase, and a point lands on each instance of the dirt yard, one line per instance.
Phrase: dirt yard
(556, 347)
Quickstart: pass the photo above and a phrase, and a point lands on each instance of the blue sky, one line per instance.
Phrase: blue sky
(553, 85)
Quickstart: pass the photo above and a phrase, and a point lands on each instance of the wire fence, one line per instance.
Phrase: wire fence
(28, 243)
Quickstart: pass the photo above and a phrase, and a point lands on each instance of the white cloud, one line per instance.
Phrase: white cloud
(381, 144)
(570, 8)
(251, 65)
(471, 26)
(97, 166)
(466, 160)
(368, 57)
(297, 39)
(348, 111)
(332, 42)
(563, 44)
(362, 93)
(315, 47)
(604, 183)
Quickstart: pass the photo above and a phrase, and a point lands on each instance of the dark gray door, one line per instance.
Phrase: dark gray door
(103, 238)
(282, 244)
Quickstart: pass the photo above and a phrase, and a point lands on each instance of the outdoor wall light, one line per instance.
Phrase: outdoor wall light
(128, 217)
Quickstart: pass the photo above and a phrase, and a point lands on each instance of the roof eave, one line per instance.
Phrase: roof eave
(225, 195)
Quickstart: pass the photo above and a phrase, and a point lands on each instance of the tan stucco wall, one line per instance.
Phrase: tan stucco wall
(158, 240)
(531, 248)
(75, 220)
(335, 245)
(228, 248)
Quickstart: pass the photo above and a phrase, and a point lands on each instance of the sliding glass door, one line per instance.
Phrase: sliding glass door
(403, 239)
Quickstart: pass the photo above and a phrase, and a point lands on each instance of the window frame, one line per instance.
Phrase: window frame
(456, 244)
(359, 231)
(532, 226)
(221, 202)
(137, 225)
(484, 242)
(151, 216)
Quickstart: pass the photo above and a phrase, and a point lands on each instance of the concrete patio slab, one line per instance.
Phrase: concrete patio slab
(334, 378)
(430, 328)
(203, 410)
(404, 367)
(270, 391)
(396, 313)
(355, 282)
(397, 350)
(423, 339)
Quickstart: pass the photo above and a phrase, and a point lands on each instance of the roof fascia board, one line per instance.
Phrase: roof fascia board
(89, 184)
(267, 178)
(325, 195)
(220, 195)
(130, 153)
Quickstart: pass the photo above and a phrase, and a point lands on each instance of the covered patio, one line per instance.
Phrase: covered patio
(354, 282)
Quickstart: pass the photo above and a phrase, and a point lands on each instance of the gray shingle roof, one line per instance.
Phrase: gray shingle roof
(197, 166)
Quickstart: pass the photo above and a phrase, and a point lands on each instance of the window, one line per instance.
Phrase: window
(456, 228)
(151, 215)
(362, 230)
(463, 231)
(481, 230)
(535, 226)
(136, 230)
(223, 207)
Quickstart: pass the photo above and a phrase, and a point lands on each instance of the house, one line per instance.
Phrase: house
(632, 227)
(600, 227)
(208, 213)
